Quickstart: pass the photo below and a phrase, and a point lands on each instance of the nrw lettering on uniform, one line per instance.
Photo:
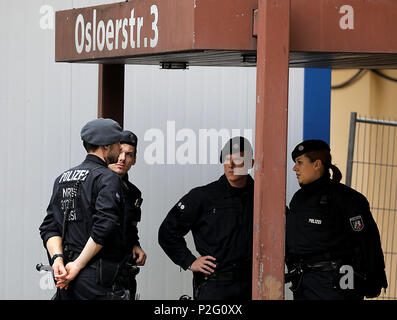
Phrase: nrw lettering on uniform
(67, 192)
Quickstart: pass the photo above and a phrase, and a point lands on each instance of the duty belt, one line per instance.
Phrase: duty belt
(323, 266)
(298, 269)
(233, 275)
(228, 276)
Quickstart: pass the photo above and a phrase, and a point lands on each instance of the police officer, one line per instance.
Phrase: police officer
(81, 230)
(132, 200)
(220, 216)
(333, 248)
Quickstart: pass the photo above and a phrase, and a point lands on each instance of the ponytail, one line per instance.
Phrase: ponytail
(336, 174)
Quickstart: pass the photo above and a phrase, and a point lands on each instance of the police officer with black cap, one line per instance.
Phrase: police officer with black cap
(333, 248)
(132, 201)
(82, 229)
(220, 216)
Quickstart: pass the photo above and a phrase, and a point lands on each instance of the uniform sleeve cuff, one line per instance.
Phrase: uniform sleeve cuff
(188, 262)
(97, 240)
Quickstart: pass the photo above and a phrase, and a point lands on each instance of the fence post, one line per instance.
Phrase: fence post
(350, 149)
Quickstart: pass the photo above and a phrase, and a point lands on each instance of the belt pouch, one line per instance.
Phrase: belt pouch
(107, 272)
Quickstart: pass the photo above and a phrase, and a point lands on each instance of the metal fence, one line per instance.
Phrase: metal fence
(372, 170)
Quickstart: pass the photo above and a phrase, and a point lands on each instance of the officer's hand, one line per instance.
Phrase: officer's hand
(59, 272)
(204, 265)
(140, 255)
(73, 269)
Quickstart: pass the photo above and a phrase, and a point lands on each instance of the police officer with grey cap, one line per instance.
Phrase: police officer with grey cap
(220, 216)
(333, 248)
(82, 230)
(132, 200)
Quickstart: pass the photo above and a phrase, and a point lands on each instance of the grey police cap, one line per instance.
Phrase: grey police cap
(101, 132)
(129, 137)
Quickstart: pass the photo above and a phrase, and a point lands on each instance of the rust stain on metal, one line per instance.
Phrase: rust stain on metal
(272, 288)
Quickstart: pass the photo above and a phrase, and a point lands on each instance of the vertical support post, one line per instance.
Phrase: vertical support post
(270, 148)
(111, 92)
(350, 149)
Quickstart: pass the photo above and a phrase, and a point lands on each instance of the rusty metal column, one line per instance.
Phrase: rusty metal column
(111, 92)
(273, 31)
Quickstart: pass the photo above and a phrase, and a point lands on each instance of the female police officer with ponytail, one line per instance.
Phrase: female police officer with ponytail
(333, 248)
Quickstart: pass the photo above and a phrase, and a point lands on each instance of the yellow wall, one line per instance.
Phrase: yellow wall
(371, 97)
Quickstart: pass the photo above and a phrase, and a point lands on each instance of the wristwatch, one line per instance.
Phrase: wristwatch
(57, 255)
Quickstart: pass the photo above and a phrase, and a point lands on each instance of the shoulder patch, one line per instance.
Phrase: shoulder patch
(138, 202)
(357, 223)
(181, 206)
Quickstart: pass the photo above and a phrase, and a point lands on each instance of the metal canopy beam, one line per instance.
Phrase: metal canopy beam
(328, 33)
(141, 28)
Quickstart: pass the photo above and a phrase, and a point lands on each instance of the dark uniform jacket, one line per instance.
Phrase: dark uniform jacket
(96, 211)
(132, 200)
(220, 218)
(328, 219)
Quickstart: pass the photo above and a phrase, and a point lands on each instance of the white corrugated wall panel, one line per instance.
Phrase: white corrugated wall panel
(198, 98)
(42, 105)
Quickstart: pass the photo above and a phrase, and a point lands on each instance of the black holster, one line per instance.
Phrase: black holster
(199, 279)
(120, 277)
(295, 276)
(122, 294)
(107, 272)
(127, 276)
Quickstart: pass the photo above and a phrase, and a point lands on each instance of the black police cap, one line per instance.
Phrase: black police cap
(129, 137)
(308, 146)
(101, 132)
(235, 145)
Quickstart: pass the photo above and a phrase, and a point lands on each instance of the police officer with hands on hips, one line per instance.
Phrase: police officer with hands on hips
(220, 216)
(82, 230)
(132, 197)
(330, 232)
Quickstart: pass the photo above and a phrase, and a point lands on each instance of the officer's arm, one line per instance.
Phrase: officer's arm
(133, 216)
(54, 245)
(90, 250)
(368, 243)
(176, 225)
(133, 233)
(362, 226)
(106, 216)
(50, 228)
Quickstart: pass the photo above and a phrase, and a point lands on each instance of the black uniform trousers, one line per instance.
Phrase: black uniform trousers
(85, 287)
(223, 285)
(323, 285)
(224, 290)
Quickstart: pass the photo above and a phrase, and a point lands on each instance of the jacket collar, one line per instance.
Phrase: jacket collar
(317, 184)
(125, 177)
(95, 159)
(231, 190)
